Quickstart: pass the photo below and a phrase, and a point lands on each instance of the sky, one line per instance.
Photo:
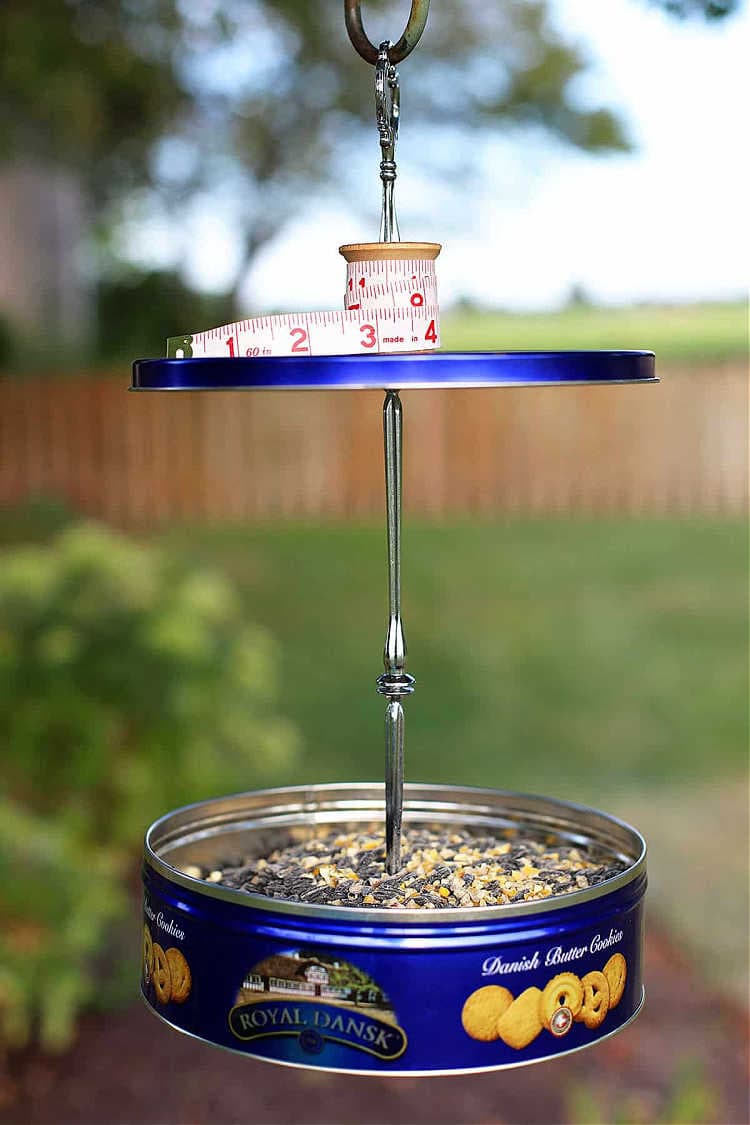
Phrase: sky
(665, 223)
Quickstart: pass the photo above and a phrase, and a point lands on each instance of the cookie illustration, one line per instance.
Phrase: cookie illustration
(179, 972)
(616, 971)
(482, 1011)
(148, 954)
(595, 999)
(161, 975)
(563, 991)
(521, 1024)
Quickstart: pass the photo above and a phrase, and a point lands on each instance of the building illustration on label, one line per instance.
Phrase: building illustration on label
(318, 999)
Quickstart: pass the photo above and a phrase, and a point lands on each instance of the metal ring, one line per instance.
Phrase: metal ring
(395, 685)
(406, 44)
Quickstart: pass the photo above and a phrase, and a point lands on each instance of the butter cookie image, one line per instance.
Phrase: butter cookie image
(616, 971)
(521, 1023)
(595, 999)
(563, 991)
(179, 975)
(482, 1011)
(161, 975)
(148, 954)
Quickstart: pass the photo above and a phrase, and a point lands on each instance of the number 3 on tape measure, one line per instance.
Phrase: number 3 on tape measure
(369, 338)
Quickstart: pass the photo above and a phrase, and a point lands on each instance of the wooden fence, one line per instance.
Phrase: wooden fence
(140, 460)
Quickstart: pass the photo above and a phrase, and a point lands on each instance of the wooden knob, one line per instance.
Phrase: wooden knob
(389, 251)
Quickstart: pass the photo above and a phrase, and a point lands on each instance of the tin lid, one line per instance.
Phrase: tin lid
(447, 370)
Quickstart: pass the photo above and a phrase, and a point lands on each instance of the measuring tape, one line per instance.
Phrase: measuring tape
(389, 306)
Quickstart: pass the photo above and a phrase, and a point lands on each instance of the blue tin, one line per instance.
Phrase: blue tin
(406, 992)
(438, 369)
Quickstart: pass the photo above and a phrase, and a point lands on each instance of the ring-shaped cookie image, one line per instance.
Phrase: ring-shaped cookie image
(483, 1009)
(595, 999)
(148, 954)
(616, 971)
(521, 1024)
(563, 991)
(161, 975)
(179, 972)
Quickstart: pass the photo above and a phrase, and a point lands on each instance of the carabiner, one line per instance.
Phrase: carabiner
(406, 44)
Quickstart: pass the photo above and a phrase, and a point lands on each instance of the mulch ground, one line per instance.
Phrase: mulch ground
(128, 1068)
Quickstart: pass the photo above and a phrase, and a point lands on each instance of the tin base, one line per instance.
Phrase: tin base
(384, 991)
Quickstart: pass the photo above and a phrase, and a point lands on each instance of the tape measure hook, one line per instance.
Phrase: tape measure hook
(397, 52)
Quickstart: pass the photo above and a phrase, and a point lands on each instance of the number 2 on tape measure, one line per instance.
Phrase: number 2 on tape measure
(300, 344)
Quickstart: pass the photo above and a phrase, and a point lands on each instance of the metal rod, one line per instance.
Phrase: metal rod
(394, 684)
(394, 784)
(394, 655)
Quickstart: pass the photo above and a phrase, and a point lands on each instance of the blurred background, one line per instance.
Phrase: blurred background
(575, 560)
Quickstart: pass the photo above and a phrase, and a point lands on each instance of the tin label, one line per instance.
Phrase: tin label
(354, 999)
(319, 999)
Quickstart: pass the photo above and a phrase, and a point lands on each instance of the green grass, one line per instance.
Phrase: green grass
(684, 334)
(576, 658)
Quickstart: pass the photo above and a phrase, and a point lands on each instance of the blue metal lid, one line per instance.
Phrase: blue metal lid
(395, 371)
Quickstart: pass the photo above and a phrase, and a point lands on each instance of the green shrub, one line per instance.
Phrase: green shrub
(128, 685)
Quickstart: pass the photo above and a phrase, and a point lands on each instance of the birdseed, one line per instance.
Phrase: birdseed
(440, 869)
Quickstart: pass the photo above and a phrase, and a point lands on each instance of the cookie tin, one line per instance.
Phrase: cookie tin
(400, 992)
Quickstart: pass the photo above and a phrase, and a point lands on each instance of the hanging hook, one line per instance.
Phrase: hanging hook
(406, 44)
(387, 102)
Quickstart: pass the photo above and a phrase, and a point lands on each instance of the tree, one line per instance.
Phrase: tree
(250, 96)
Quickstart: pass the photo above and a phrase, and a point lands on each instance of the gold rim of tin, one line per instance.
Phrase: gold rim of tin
(339, 803)
(390, 251)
